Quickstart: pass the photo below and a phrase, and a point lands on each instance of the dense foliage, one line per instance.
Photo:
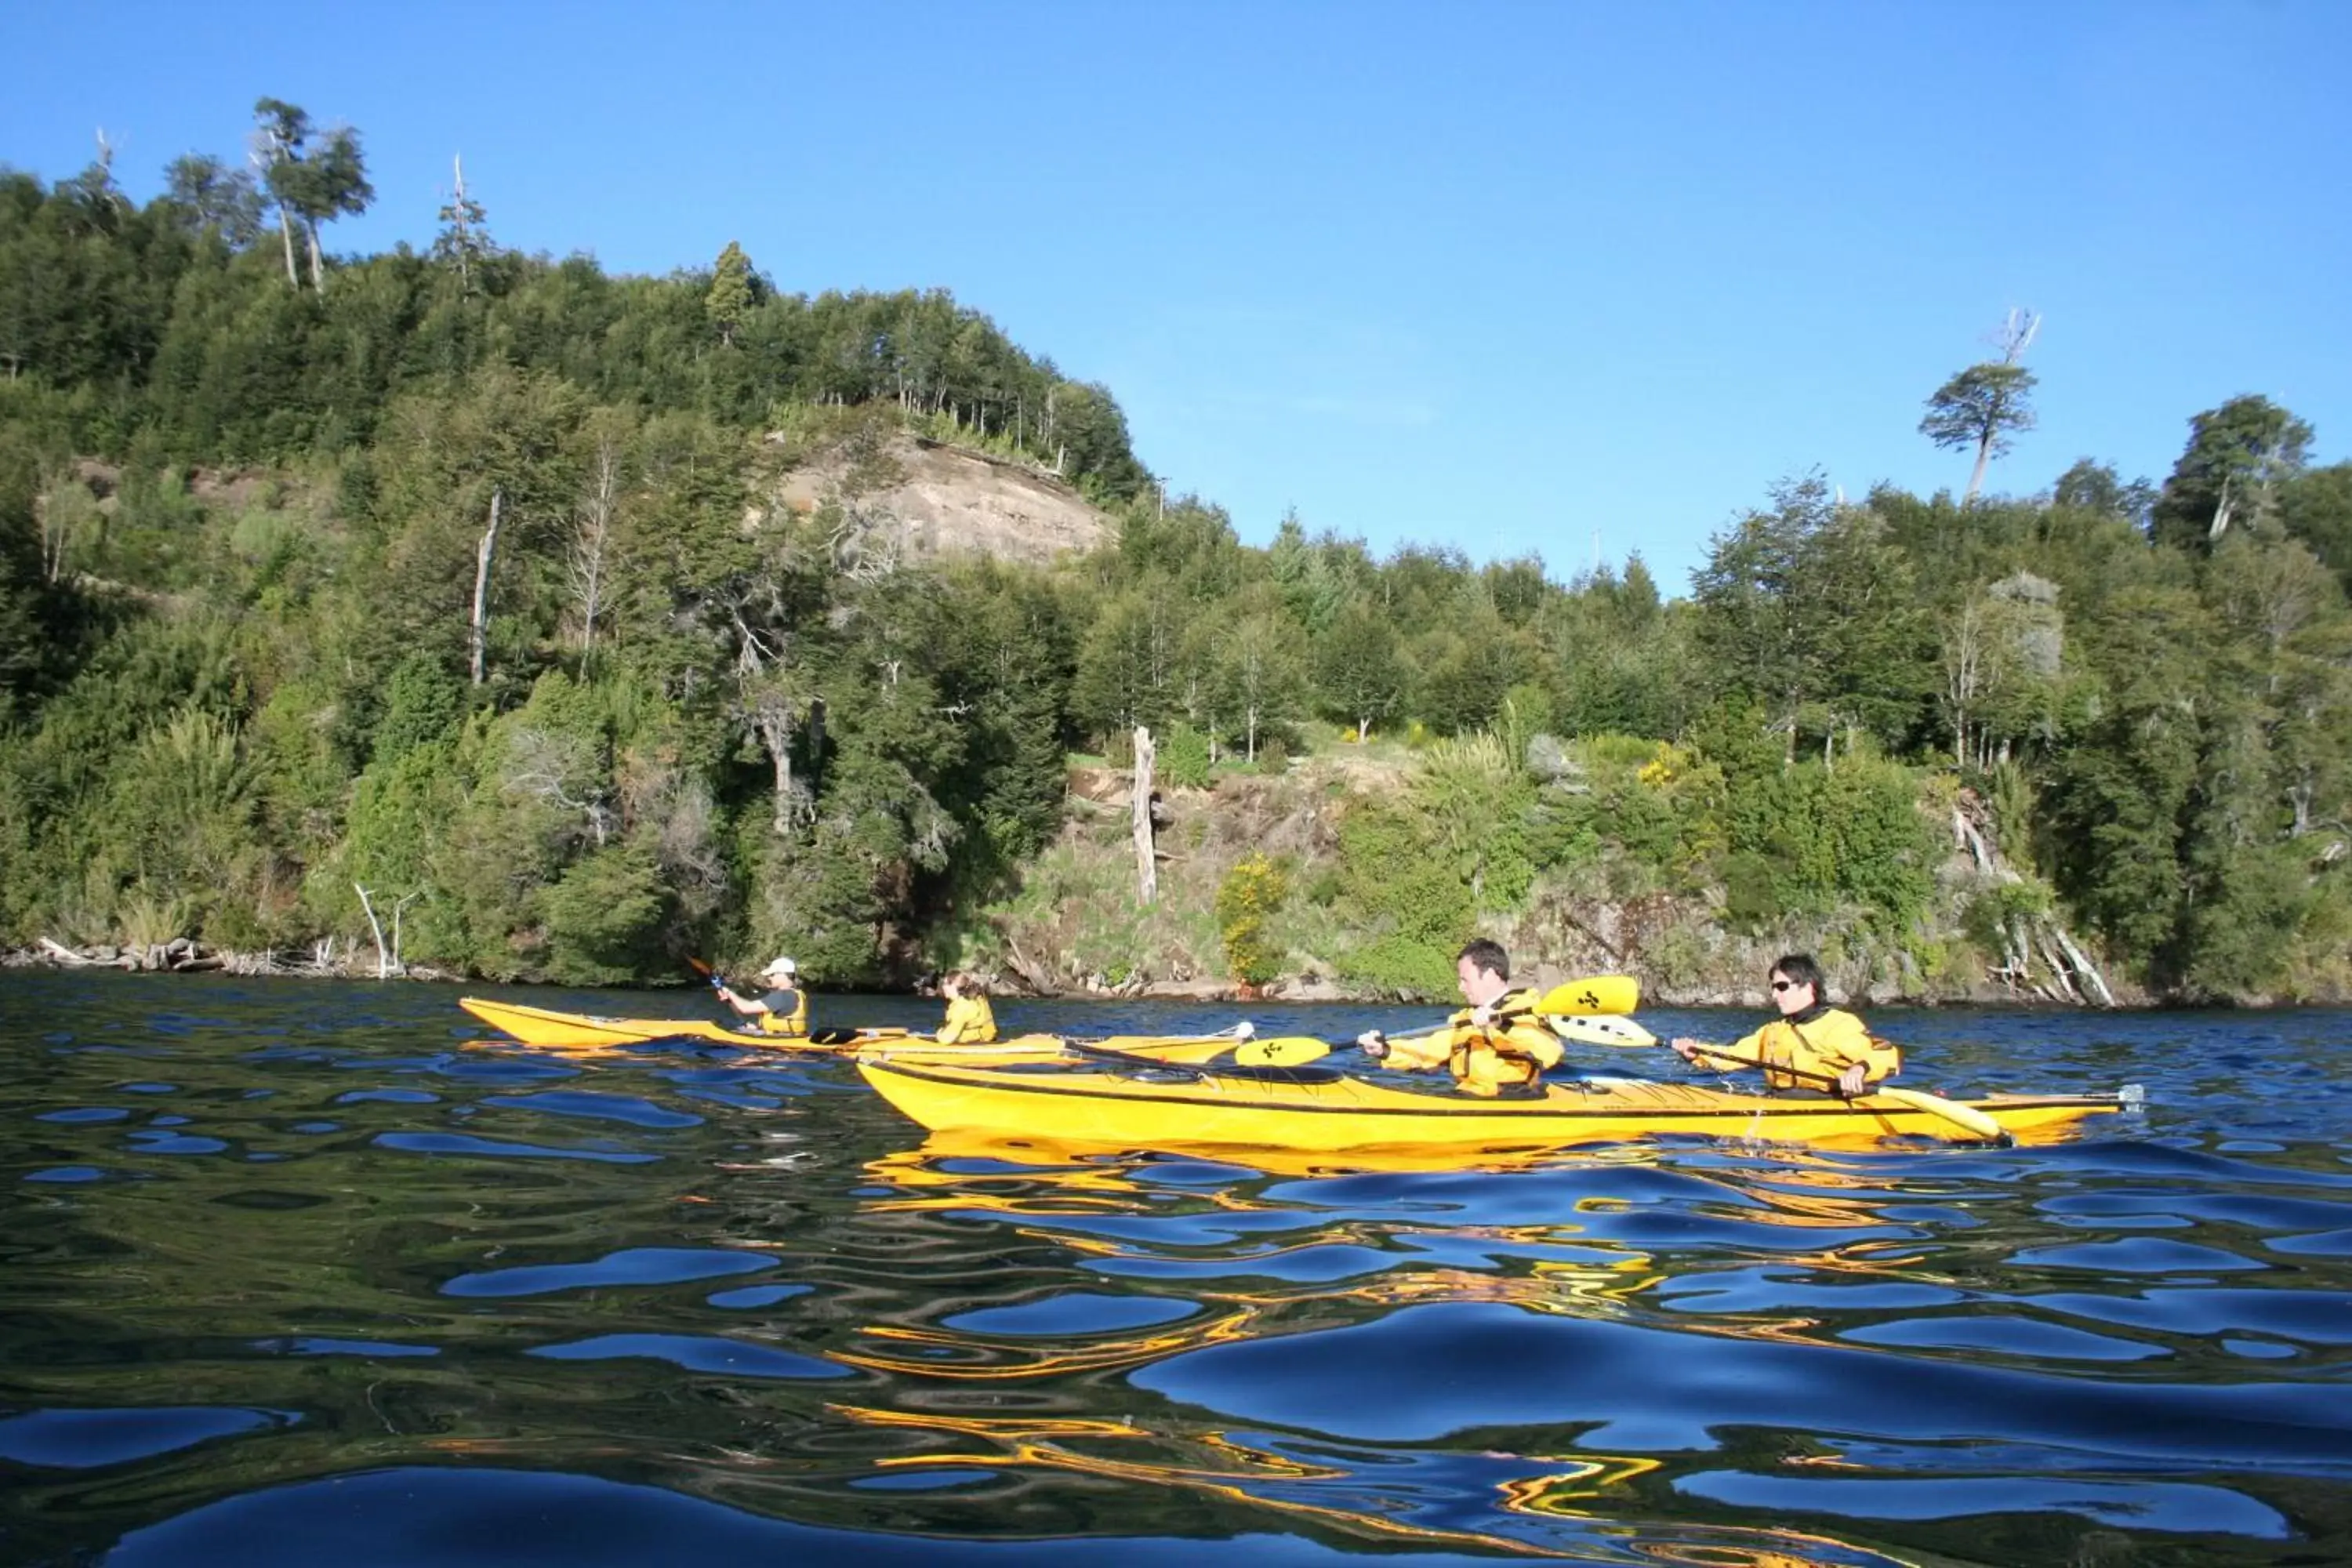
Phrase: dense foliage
(439, 593)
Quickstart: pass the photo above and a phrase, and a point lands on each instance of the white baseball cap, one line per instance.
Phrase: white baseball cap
(781, 966)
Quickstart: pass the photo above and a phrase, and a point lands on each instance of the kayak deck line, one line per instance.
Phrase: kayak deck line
(1211, 1106)
(1557, 1101)
(547, 1029)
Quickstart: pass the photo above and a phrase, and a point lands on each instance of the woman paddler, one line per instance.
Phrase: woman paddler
(969, 1021)
(1810, 1044)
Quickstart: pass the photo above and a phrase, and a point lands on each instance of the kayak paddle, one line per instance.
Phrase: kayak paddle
(1963, 1116)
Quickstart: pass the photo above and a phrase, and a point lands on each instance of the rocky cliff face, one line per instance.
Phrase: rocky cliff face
(923, 501)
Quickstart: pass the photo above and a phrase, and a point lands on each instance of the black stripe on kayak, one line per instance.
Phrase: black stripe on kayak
(1034, 1076)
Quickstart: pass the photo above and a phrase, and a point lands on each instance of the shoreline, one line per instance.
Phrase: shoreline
(182, 955)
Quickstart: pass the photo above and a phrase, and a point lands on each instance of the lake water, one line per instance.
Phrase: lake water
(301, 1273)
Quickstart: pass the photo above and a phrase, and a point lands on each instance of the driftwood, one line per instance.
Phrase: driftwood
(178, 955)
(1037, 980)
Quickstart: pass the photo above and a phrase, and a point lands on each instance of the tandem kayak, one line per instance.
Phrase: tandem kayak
(1321, 1109)
(581, 1031)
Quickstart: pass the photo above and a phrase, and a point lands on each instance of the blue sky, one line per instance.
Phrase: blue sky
(1512, 276)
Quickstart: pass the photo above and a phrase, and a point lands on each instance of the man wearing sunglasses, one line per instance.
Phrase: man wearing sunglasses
(1809, 1044)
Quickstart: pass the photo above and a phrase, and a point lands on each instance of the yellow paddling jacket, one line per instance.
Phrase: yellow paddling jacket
(1510, 1053)
(787, 1013)
(969, 1022)
(1825, 1045)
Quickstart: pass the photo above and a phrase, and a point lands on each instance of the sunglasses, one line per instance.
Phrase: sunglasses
(1784, 985)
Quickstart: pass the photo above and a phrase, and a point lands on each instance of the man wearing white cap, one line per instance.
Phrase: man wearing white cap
(782, 1009)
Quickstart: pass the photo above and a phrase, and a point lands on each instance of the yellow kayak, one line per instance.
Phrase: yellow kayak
(552, 1030)
(1317, 1109)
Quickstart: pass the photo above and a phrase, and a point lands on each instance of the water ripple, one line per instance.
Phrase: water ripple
(679, 1303)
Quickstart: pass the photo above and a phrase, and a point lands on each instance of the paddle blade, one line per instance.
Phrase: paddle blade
(1963, 1116)
(1602, 1029)
(872, 1033)
(1284, 1051)
(1596, 994)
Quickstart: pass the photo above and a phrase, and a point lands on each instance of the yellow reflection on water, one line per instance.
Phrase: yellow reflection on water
(1028, 1360)
(1030, 1444)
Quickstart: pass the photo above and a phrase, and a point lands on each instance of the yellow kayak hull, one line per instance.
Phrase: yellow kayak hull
(551, 1030)
(1328, 1112)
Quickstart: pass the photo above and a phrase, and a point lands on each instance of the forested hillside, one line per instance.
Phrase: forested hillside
(462, 578)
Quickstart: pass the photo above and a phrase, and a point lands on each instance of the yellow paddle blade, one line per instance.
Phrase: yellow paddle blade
(1602, 1029)
(1951, 1111)
(1597, 993)
(1284, 1051)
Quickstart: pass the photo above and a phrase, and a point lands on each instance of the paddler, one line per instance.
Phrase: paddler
(969, 1021)
(1496, 1046)
(781, 1009)
(1809, 1042)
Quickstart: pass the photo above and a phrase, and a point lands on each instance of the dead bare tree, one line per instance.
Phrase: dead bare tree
(592, 532)
(770, 701)
(482, 581)
(1146, 867)
(62, 507)
(564, 771)
(2015, 334)
(1969, 655)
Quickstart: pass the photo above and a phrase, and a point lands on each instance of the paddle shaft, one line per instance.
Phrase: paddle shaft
(1962, 1116)
(1827, 1081)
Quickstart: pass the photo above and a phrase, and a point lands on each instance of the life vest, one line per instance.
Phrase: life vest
(1826, 1055)
(795, 1024)
(969, 1022)
(1515, 1048)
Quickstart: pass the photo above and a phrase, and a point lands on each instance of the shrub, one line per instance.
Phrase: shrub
(1184, 757)
(1250, 896)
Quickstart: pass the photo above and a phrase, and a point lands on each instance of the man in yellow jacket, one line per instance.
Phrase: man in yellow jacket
(1496, 1046)
(1810, 1044)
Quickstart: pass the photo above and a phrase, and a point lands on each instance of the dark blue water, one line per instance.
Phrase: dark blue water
(293, 1273)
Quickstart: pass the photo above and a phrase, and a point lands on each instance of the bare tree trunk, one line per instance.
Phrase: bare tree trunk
(482, 582)
(1976, 478)
(54, 525)
(1147, 868)
(776, 734)
(310, 231)
(285, 231)
(585, 558)
(2083, 966)
(382, 958)
(772, 708)
(457, 220)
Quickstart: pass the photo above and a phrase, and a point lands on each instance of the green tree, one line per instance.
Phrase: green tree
(731, 294)
(1980, 407)
(211, 196)
(2239, 458)
(464, 243)
(1358, 669)
(311, 182)
(1260, 674)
